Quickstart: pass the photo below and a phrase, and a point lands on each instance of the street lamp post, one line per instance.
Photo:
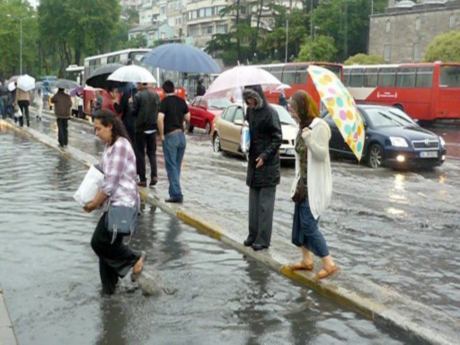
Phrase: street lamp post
(20, 40)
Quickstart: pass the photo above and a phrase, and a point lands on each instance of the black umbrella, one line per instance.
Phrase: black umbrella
(99, 76)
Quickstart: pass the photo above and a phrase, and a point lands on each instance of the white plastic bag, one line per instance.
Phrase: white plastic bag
(245, 139)
(18, 113)
(89, 186)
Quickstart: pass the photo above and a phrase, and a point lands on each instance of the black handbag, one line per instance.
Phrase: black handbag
(121, 220)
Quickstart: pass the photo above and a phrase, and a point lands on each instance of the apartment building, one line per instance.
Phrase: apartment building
(194, 21)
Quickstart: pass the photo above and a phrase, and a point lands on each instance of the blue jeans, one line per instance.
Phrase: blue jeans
(305, 232)
(173, 152)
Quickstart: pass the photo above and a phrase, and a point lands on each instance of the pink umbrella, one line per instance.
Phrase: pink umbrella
(239, 77)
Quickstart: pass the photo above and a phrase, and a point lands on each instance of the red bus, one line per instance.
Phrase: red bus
(426, 91)
(295, 75)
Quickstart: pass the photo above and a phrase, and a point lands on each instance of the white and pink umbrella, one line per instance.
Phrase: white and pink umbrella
(239, 77)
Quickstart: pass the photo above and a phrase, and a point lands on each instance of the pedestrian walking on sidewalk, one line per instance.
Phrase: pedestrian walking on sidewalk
(263, 172)
(173, 112)
(39, 102)
(119, 188)
(62, 105)
(145, 111)
(23, 102)
(312, 187)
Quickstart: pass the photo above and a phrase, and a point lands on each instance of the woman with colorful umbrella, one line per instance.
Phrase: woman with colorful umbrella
(312, 187)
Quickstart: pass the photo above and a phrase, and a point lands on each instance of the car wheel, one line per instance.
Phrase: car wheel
(216, 143)
(375, 156)
(207, 128)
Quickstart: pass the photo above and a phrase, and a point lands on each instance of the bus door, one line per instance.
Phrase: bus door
(448, 100)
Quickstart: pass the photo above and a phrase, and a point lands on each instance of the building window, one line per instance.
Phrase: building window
(221, 29)
(452, 21)
(418, 23)
(387, 52)
(387, 26)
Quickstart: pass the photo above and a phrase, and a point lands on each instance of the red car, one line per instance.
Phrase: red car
(202, 112)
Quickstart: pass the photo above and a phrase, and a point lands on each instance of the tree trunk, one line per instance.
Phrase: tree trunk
(237, 22)
(255, 36)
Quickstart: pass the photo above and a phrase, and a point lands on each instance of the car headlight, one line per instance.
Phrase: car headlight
(398, 142)
(442, 141)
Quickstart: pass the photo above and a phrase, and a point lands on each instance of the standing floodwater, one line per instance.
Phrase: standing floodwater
(49, 275)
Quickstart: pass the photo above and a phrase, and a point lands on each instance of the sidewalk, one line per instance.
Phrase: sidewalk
(385, 307)
(7, 336)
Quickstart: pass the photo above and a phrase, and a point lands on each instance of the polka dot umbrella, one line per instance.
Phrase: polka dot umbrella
(341, 107)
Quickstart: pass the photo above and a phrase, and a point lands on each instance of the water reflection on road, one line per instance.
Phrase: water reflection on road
(398, 229)
(52, 287)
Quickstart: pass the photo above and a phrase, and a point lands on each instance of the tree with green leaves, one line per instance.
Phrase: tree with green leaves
(72, 29)
(444, 47)
(15, 14)
(364, 59)
(347, 21)
(321, 48)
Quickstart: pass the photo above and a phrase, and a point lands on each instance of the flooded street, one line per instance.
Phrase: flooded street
(51, 283)
(397, 229)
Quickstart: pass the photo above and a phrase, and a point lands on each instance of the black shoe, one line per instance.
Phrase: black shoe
(153, 182)
(248, 242)
(258, 247)
(142, 184)
(175, 200)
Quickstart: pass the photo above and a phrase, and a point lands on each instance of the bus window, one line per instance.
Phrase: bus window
(424, 77)
(370, 77)
(337, 70)
(277, 71)
(289, 75)
(357, 77)
(302, 75)
(135, 57)
(113, 58)
(346, 77)
(387, 77)
(406, 77)
(450, 76)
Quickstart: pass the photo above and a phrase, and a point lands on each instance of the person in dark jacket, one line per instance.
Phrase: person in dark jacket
(145, 111)
(123, 106)
(263, 172)
(200, 89)
(62, 105)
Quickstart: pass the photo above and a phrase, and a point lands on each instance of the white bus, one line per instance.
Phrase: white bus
(124, 57)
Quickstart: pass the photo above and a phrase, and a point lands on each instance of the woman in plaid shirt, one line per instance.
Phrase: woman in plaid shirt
(119, 188)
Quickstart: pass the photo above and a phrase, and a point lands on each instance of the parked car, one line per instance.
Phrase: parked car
(392, 139)
(203, 111)
(226, 132)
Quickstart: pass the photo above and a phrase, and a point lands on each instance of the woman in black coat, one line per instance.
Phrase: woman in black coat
(263, 172)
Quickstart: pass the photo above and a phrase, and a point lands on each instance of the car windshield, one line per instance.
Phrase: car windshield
(388, 117)
(219, 103)
(285, 117)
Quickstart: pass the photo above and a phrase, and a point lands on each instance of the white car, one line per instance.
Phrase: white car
(227, 129)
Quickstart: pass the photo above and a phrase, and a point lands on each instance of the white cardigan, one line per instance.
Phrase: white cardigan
(319, 177)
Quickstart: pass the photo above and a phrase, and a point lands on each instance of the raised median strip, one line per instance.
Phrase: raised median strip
(384, 306)
(7, 336)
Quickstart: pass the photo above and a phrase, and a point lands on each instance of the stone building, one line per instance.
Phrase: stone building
(404, 31)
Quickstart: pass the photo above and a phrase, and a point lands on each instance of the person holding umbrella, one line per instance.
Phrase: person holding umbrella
(62, 105)
(23, 102)
(312, 187)
(263, 172)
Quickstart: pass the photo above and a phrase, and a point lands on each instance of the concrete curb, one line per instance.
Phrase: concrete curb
(370, 304)
(7, 335)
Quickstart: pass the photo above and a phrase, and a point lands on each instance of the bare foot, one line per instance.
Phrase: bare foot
(301, 266)
(327, 271)
(138, 266)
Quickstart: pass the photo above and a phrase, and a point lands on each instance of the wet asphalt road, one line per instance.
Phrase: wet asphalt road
(49, 275)
(398, 229)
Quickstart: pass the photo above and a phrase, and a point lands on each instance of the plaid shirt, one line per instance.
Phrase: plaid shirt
(119, 167)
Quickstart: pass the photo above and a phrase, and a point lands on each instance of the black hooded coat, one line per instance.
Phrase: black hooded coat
(266, 137)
